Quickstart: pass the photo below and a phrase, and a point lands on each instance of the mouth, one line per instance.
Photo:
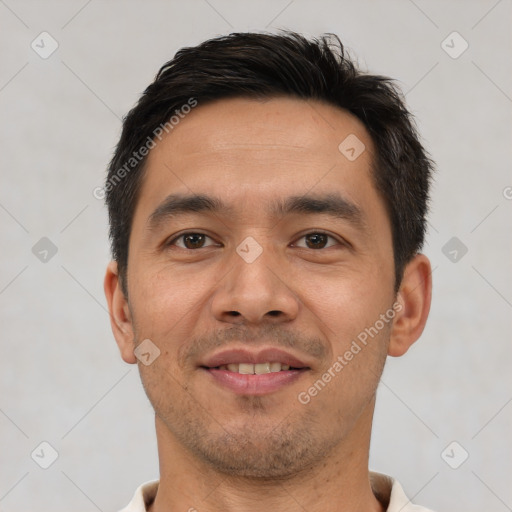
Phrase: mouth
(256, 369)
(246, 373)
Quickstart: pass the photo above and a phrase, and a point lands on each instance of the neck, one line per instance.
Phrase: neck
(339, 482)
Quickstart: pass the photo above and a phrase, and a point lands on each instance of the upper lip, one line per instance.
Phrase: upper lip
(268, 355)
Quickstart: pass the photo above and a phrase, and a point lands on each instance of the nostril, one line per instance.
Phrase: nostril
(274, 313)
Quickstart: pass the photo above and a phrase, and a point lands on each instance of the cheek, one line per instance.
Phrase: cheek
(345, 303)
(165, 299)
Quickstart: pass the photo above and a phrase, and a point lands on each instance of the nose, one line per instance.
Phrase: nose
(255, 293)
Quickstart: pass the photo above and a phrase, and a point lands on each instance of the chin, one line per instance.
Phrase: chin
(269, 452)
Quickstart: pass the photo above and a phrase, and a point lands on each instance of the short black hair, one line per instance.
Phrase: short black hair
(261, 65)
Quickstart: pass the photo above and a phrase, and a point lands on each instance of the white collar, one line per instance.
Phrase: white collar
(385, 488)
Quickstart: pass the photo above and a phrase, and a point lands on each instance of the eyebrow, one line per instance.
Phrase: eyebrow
(331, 204)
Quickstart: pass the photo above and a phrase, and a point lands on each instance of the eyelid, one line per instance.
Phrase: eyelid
(174, 238)
(339, 241)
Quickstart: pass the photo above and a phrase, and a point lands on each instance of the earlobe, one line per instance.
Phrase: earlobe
(414, 298)
(120, 316)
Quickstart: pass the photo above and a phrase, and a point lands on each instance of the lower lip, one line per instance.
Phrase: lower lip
(243, 384)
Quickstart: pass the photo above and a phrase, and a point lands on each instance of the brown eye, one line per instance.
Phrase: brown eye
(317, 241)
(190, 241)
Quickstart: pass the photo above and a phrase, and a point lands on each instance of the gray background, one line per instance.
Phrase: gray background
(62, 380)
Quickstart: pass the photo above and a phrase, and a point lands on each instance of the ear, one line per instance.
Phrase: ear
(414, 297)
(120, 316)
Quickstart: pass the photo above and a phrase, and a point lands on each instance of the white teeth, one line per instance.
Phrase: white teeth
(261, 368)
(246, 368)
(254, 369)
(275, 367)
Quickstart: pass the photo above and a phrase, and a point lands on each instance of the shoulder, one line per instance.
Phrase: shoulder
(143, 497)
(389, 491)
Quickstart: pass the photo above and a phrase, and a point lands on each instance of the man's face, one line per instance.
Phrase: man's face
(270, 277)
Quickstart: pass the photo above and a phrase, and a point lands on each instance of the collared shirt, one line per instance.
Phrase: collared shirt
(387, 490)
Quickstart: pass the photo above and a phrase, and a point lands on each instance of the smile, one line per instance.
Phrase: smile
(254, 369)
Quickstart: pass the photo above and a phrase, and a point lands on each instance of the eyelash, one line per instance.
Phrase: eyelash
(172, 242)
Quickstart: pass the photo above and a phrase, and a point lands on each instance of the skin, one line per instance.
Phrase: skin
(219, 451)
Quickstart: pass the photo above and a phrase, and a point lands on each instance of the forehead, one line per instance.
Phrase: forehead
(281, 123)
(260, 148)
